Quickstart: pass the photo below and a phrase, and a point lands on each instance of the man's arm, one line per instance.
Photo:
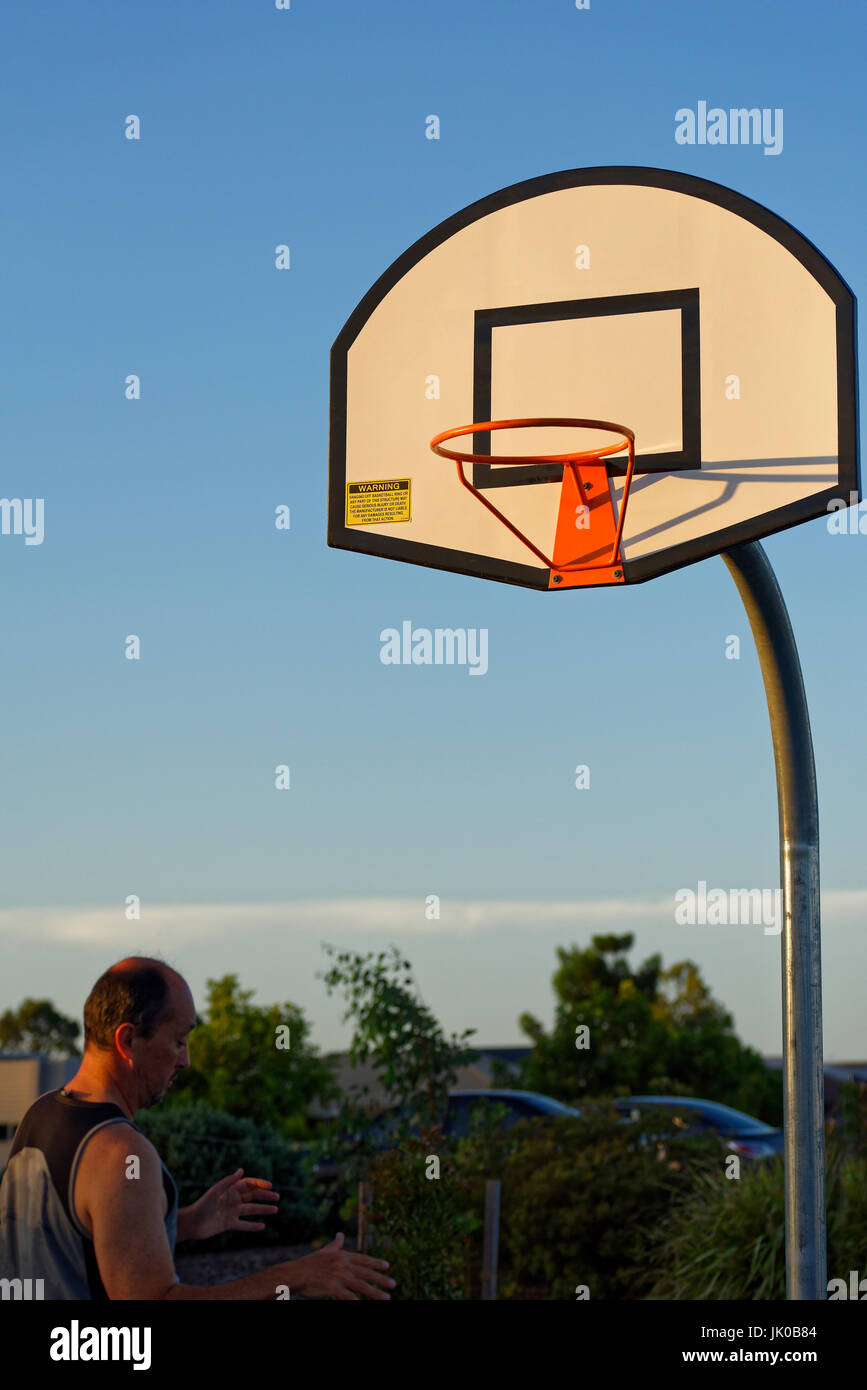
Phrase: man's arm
(329, 1272)
(126, 1217)
(187, 1223)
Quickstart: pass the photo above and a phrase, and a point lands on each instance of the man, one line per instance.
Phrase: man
(86, 1203)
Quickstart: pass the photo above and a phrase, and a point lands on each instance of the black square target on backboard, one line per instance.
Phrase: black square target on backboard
(487, 321)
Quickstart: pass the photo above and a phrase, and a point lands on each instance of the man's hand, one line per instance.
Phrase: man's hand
(338, 1273)
(223, 1205)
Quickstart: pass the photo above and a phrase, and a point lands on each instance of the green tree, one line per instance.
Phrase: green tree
(595, 989)
(650, 1030)
(396, 1032)
(238, 1066)
(36, 1026)
(704, 1055)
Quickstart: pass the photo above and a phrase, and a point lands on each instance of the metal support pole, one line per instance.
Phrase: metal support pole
(363, 1236)
(803, 1076)
(490, 1254)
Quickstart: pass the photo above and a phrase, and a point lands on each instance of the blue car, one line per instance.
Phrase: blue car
(519, 1105)
(511, 1106)
(742, 1134)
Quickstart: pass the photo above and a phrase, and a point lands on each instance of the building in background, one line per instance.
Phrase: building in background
(24, 1077)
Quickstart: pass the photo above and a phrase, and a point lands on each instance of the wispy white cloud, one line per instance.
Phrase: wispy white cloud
(178, 924)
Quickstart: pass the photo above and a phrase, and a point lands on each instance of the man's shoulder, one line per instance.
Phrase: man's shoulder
(121, 1133)
(118, 1168)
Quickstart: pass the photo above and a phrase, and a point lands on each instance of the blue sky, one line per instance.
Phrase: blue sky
(261, 647)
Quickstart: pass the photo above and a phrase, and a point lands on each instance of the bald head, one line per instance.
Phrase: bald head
(138, 990)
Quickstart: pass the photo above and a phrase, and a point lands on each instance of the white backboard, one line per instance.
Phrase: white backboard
(675, 306)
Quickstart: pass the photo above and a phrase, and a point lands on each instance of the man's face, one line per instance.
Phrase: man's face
(158, 1059)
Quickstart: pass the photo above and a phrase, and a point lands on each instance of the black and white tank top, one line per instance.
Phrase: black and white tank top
(40, 1236)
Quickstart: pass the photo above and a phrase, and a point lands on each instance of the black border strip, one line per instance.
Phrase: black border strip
(532, 576)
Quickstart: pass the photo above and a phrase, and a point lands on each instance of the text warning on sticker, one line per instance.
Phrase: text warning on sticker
(378, 502)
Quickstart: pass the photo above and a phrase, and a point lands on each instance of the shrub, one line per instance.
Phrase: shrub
(847, 1217)
(586, 1201)
(727, 1241)
(422, 1225)
(579, 1202)
(850, 1123)
(200, 1145)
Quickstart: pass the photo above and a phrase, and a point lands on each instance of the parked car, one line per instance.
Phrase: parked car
(742, 1134)
(519, 1105)
(664, 1116)
(511, 1106)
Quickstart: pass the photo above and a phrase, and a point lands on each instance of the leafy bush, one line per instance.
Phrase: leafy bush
(727, 1241)
(850, 1124)
(200, 1145)
(422, 1225)
(580, 1199)
(847, 1217)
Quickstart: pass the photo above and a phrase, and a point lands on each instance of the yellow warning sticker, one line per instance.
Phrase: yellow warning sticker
(378, 502)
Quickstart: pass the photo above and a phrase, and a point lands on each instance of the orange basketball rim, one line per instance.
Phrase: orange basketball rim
(588, 535)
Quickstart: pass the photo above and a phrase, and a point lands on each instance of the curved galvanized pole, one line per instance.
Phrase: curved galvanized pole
(803, 1076)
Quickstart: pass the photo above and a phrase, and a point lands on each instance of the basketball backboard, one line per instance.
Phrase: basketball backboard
(686, 312)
